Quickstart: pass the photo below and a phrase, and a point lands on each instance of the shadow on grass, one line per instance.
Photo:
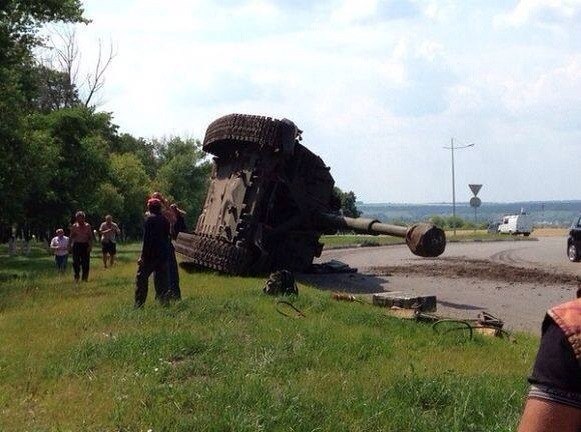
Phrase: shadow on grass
(354, 283)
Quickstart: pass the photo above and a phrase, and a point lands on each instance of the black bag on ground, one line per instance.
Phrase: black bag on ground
(281, 282)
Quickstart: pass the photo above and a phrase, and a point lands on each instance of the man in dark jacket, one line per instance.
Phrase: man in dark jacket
(154, 255)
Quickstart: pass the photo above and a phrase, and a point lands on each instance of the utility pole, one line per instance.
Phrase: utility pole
(452, 148)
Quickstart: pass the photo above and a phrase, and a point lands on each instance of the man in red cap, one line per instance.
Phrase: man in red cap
(154, 255)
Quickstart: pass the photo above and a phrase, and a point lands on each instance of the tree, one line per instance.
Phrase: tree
(62, 55)
(183, 175)
(19, 24)
(348, 203)
(53, 90)
(132, 183)
(146, 151)
(439, 221)
(22, 19)
(78, 164)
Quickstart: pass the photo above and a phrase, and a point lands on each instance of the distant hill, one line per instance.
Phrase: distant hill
(549, 213)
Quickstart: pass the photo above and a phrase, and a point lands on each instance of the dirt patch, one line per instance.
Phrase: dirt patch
(454, 268)
(550, 232)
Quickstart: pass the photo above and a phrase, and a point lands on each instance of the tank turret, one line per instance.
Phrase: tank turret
(269, 201)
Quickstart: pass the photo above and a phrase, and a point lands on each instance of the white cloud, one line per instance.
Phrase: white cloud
(541, 12)
(377, 87)
(554, 96)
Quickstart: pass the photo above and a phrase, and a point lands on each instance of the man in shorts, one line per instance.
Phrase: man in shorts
(109, 232)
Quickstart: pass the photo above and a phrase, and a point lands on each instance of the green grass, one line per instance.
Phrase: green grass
(81, 359)
(354, 240)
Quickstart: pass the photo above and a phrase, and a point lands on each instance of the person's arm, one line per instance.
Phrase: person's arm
(546, 416)
(90, 237)
(554, 399)
(116, 228)
(146, 245)
(72, 236)
(54, 244)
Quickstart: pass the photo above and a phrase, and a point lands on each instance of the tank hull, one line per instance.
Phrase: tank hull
(269, 201)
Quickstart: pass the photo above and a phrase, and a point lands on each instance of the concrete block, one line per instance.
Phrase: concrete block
(405, 301)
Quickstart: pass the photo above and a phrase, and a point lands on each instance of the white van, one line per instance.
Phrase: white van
(516, 224)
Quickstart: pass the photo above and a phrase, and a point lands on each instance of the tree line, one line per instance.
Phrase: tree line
(59, 153)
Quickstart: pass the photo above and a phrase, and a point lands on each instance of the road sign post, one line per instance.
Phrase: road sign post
(475, 202)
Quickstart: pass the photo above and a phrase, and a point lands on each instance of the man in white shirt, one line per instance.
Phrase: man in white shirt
(59, 245)
(109, 231)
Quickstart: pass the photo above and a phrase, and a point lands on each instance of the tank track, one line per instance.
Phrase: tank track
(213, 253)
(265, 131)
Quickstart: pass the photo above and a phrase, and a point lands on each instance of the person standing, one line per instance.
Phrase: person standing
(170, 212)
(81, 239)
(59, 245)
(109, 231)
(154, 255)
(177, 225)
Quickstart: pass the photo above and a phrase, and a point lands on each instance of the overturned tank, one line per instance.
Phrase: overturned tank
(269, 201)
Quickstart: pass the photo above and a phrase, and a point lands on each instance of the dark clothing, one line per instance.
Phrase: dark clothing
(81, 259)
(155, 238)
(179, 226)
(109, 248)
(160, 280)
(61, 262)
(154, 258)
(173, 275)
(556, 374)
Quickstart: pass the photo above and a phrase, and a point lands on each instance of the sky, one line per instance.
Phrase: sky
(379, 87)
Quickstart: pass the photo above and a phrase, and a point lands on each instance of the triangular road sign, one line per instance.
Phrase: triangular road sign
(475, 188)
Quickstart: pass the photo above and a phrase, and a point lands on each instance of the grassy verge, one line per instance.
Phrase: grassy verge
(355, 240)
(81, 359)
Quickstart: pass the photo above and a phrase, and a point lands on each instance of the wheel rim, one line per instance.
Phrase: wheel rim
(572, 252)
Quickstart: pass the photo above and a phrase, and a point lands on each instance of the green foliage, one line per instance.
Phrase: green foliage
(19, 22)
(133, 184)
(52, 90)
(348, 202)
(451, 222)
(183, 175)
(439, 221)
(79, 163)
(108, 200)
(146, 151)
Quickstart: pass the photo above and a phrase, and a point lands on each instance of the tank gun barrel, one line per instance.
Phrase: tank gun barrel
(423, 239)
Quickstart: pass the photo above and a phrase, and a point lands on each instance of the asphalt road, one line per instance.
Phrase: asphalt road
(465, 288)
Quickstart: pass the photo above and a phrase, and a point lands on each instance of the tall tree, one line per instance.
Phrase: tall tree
(19, 24)
(79, 141)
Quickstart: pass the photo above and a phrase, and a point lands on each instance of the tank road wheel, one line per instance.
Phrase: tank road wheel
(263, 131)
(573, 253)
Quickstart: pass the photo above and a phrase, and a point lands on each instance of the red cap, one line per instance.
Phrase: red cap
(153, 202)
